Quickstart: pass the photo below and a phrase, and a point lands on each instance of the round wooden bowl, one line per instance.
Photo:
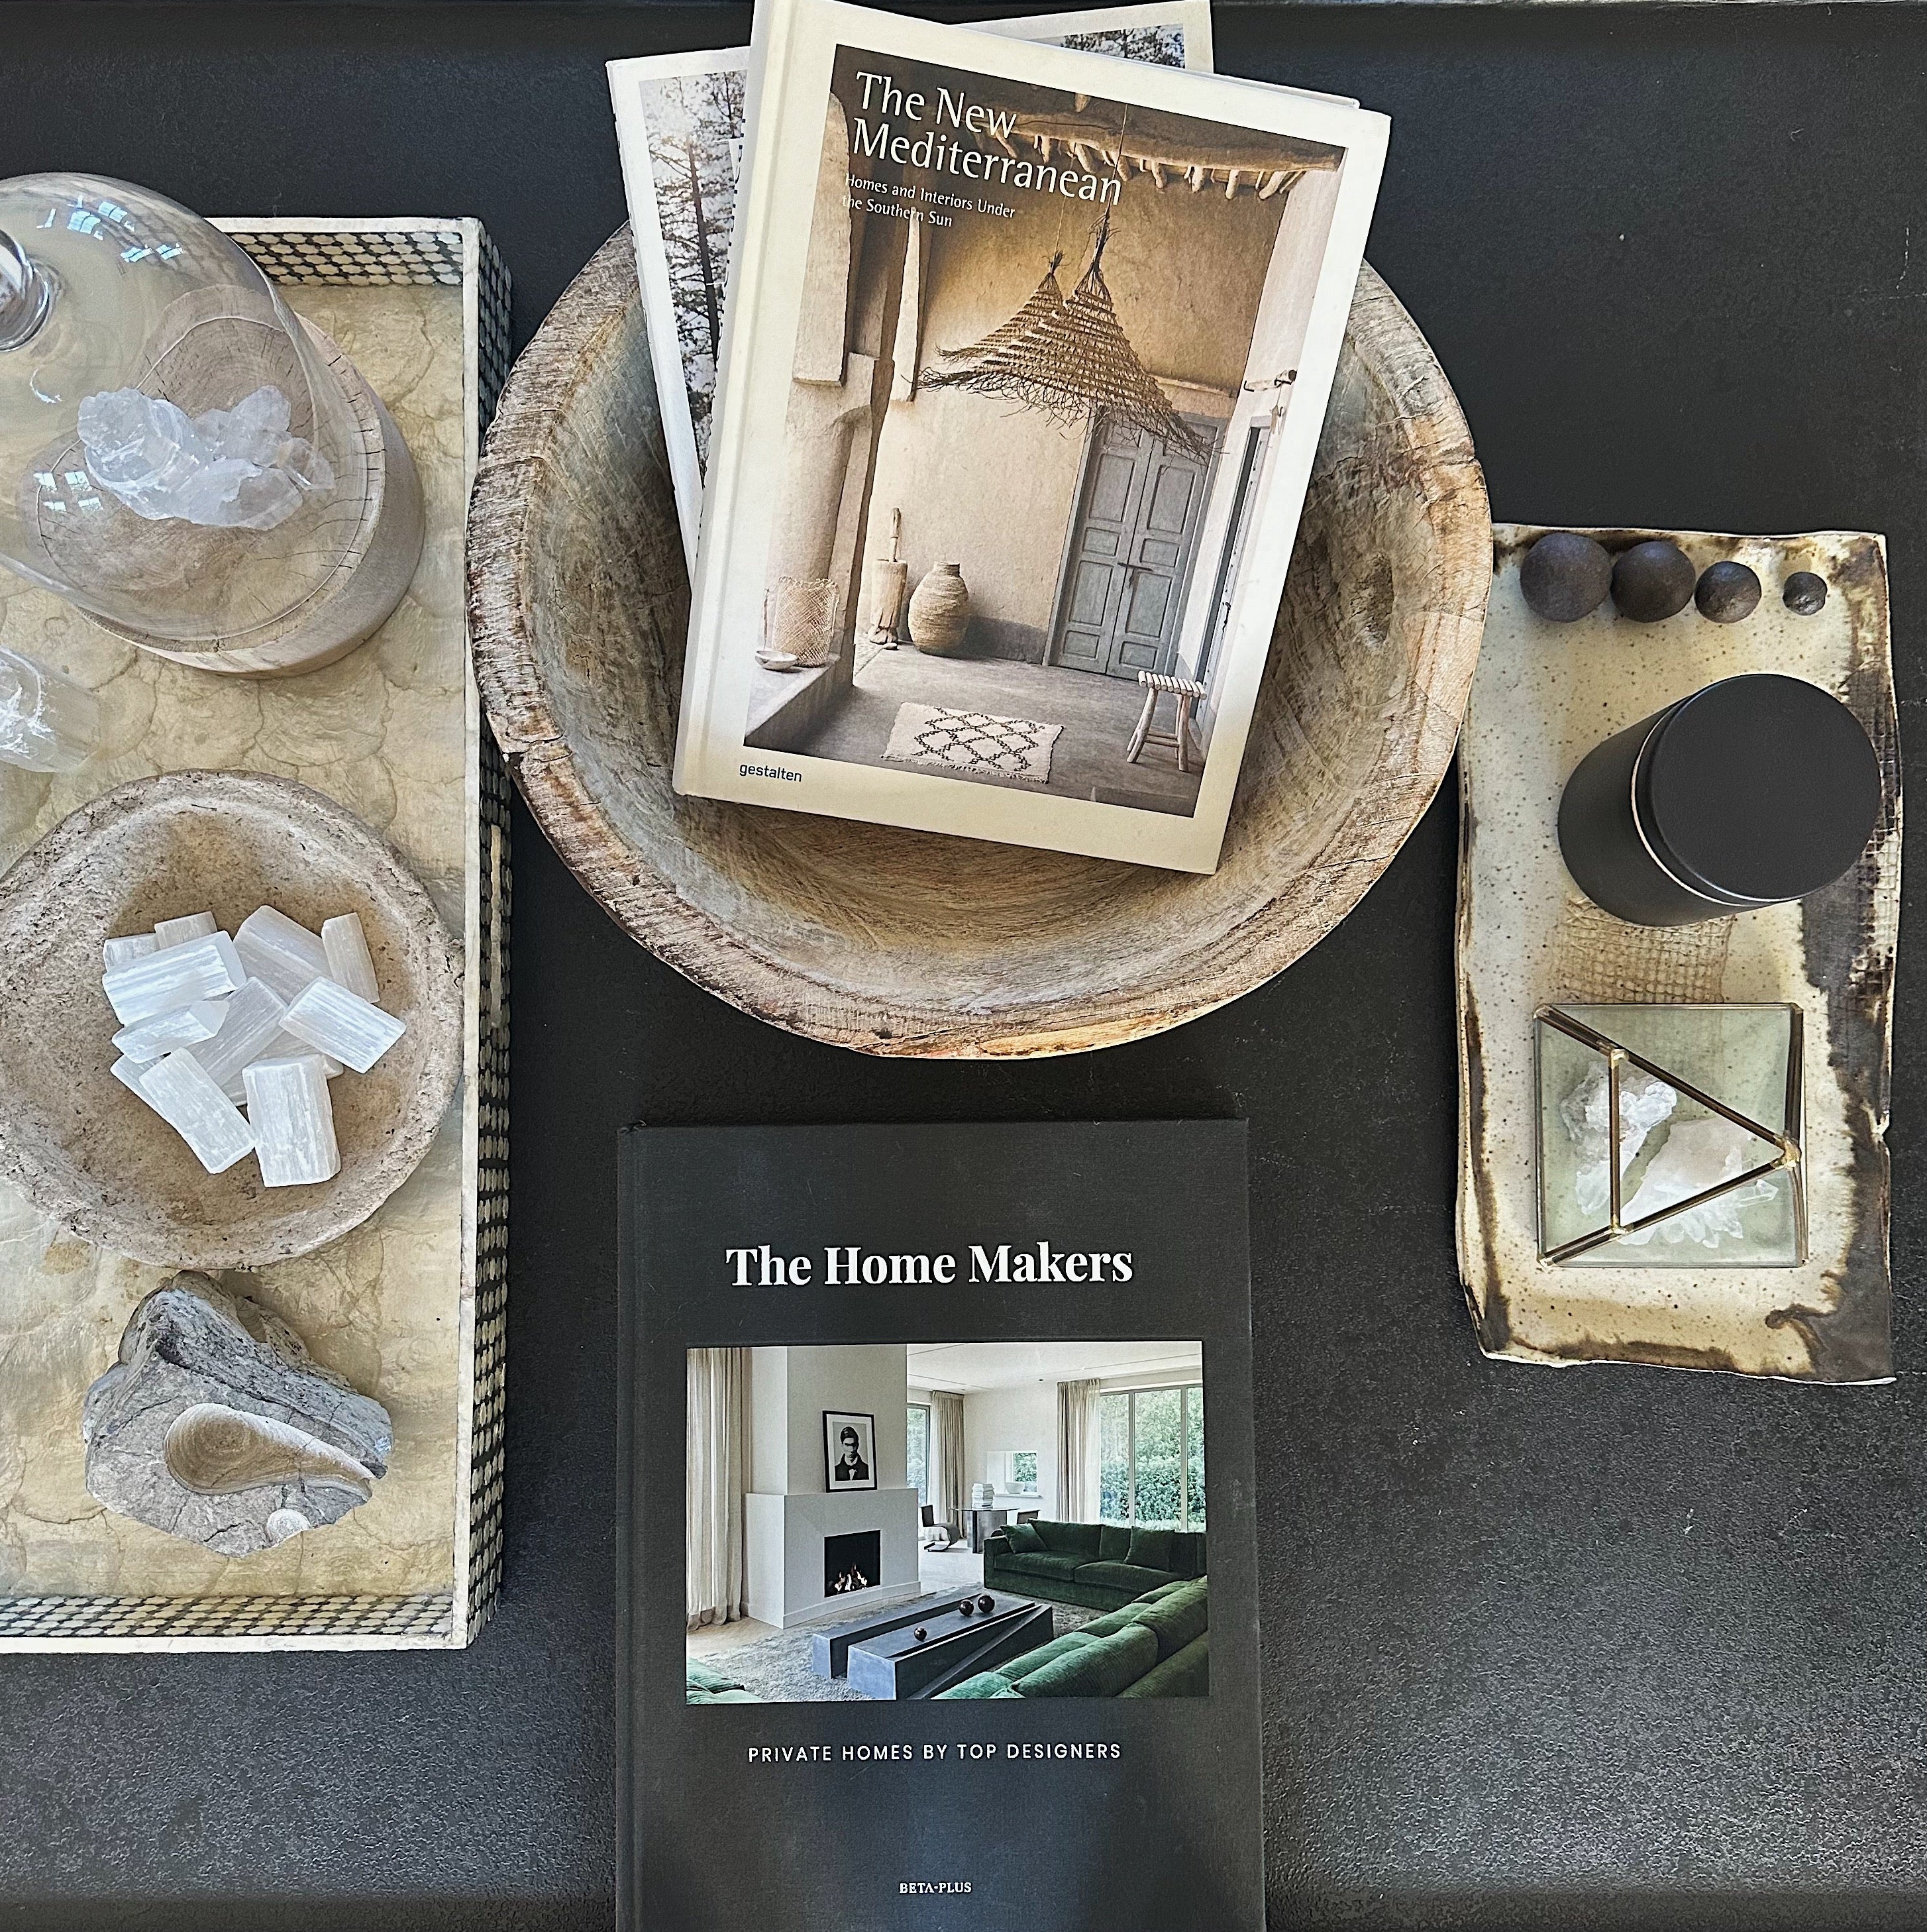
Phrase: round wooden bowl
(907, 942)
(89, 1154)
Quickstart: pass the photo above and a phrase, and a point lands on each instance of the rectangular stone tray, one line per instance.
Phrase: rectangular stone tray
(1543, 695)
(411, 1307)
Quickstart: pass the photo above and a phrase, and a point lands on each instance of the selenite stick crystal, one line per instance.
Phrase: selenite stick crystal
(128, 1072)
(148, 1039)
(163, 982)
(292, 1119)
(285, 1046)
(275, 949)
(264, 1020)
(194, 1106)
(349, 962)
(49, 722)
(178, 932)
(124, 951)
(342, 1025)
(253, 1023)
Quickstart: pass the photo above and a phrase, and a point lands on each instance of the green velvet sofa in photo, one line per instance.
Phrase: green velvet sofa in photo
(709, 1685)
(1099, 1566)
(1158, 1646)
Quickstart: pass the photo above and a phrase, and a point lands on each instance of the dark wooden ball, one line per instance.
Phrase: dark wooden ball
(1805, 594)
(1727, 593)
(987, 1603)
(1653, 581)
(919, 1632)
(967, 1607)
(1565, 577)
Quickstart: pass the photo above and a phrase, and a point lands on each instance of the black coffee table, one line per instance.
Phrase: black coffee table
(888, 1660)
(829, 1649)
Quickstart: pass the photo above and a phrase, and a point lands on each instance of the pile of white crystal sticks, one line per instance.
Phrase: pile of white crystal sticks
(262, 1020)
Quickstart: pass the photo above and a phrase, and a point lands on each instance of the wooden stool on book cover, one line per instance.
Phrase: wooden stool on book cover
(1187, 691)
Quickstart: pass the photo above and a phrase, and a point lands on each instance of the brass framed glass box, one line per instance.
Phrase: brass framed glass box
(1670, 1136)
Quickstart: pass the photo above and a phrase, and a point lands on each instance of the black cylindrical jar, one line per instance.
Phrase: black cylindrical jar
(1753, 791)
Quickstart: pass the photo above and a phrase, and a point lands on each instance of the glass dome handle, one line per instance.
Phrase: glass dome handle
(24, 295)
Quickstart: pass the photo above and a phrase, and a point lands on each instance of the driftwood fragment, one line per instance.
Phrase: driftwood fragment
(217, 1426)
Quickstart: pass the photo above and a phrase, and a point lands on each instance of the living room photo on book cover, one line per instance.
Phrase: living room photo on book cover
(946, 1520)
(1045, 344)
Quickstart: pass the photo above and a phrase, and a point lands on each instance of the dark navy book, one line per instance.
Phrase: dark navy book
(938, 1530)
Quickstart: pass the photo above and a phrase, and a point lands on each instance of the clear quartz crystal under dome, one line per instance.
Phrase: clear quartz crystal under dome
(177, 458)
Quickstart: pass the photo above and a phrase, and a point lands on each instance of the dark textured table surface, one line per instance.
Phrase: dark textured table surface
(1603, 1647)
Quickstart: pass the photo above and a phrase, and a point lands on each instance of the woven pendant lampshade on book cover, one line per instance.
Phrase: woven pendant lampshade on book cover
(1048, 335)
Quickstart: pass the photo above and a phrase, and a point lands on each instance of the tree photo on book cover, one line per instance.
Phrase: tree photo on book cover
(1045, 343)
(696, 133)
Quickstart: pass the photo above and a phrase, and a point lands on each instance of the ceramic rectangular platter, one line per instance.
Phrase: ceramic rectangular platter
(1543, 695)
(411, 1307)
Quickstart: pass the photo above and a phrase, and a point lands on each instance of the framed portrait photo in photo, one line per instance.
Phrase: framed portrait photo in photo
(849, 1450)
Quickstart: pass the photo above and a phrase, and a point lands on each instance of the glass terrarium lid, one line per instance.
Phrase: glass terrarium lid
(1698, 1166)
(178, 456)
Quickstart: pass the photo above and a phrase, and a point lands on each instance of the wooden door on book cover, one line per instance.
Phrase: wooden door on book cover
(1130, 551)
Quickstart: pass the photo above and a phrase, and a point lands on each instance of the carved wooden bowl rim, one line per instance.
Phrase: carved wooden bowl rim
(1232, 942)
(66, 1167)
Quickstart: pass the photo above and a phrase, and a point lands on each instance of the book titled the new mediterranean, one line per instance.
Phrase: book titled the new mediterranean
(938, 1548)
(1025, 365)
(679, 123)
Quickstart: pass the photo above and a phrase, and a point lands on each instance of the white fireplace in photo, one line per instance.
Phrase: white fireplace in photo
(787, 1536)
(809, 1555)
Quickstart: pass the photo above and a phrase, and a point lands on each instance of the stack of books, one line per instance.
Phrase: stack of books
(992, 363)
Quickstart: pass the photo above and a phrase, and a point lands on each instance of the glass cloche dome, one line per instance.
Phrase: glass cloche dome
(181, 457)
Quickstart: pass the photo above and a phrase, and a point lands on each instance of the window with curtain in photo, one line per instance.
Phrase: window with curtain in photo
(1151, 1456)
(916, 1461)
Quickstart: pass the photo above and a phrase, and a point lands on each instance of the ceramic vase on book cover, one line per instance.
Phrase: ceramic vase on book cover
(181, 457)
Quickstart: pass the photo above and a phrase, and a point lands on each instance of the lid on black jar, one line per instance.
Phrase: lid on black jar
(1758, 788)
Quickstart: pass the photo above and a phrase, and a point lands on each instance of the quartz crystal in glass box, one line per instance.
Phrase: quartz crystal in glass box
(1670, 1136)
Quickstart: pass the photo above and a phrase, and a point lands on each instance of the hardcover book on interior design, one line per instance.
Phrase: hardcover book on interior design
(1047, 336)
(679, 124)
(938, 1537)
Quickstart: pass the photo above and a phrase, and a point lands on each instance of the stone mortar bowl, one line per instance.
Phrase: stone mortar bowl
(90, 1155)
(896, 942)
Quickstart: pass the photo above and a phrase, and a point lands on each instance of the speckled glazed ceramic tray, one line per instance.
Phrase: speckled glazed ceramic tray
(1543, 695)
(411, 1306)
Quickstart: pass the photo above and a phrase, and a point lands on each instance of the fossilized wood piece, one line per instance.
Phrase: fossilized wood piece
(1545, 695)
(904, 942)
(88, 1152)
(217, 1426)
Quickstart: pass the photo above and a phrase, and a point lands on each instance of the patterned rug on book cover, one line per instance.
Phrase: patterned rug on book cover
(973, 741)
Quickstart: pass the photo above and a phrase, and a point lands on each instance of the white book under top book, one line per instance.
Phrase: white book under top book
(1048, 336)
